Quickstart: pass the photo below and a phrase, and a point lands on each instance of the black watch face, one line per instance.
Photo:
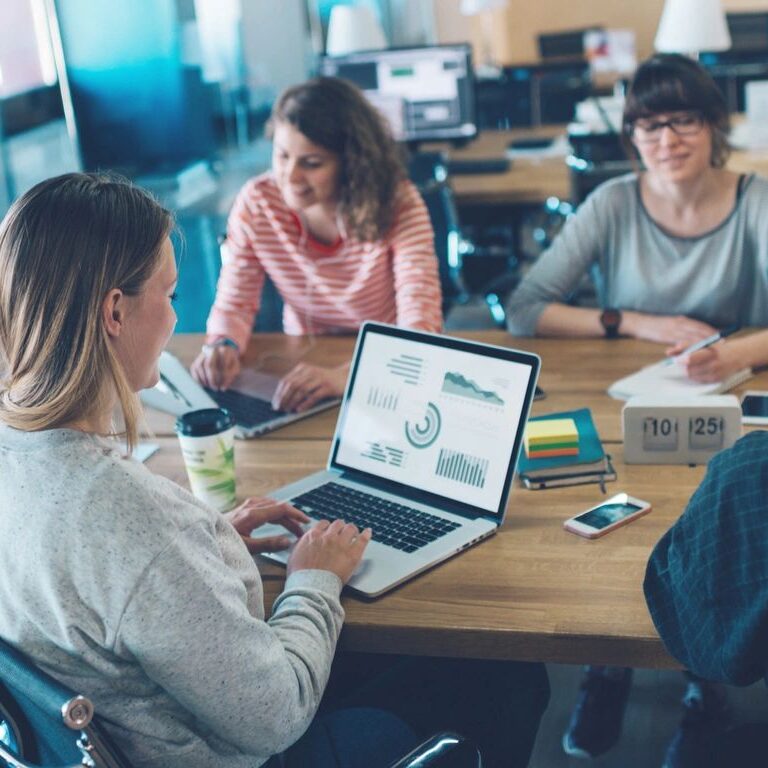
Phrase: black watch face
(610, 319)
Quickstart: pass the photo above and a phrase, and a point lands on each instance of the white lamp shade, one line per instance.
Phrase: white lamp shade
(690, 26)
(473, 7)
(353, 28)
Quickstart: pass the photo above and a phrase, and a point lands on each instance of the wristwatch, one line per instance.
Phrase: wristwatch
(222, 341)
(610, 319)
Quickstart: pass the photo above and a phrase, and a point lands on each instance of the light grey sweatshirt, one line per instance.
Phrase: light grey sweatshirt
(125, 588)
(720, 277)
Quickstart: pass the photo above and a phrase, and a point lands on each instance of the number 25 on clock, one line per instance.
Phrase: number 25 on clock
(665, 430)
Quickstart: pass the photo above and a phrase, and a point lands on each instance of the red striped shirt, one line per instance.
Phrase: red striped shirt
(326, 288)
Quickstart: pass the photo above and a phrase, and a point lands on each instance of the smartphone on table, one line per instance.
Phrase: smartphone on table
(607, 516)
(754, 408)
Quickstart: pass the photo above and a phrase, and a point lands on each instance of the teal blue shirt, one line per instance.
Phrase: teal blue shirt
(706, 583)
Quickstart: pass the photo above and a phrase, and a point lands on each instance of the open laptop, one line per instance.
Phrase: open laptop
(424, 452)
(248, 399)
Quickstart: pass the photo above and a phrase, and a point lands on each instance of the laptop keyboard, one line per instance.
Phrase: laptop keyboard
(249, 411)
(393, 524)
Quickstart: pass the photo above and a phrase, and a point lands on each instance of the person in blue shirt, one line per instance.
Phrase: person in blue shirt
(706, 585)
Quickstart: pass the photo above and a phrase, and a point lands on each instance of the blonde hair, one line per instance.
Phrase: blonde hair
(63, 246)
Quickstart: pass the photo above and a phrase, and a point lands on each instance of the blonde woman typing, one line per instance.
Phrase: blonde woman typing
(125, 587)
(116, 581)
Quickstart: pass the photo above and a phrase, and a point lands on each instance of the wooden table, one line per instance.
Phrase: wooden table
(574, 373)
(532, 592)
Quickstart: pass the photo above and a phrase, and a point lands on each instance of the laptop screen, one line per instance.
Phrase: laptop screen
(436, 414)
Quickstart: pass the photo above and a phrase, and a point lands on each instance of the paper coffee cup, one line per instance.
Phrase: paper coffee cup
(207, 440)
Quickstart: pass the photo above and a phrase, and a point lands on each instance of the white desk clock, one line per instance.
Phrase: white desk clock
(661, 429)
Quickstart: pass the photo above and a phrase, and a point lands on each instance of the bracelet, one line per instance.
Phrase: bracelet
(222, 341)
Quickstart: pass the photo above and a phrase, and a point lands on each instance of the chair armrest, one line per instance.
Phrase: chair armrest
(443, 750)
(19, 674)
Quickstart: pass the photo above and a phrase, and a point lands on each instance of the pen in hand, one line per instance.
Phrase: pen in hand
(703, 344)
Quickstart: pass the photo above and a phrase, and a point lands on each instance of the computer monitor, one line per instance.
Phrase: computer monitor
(426, 93)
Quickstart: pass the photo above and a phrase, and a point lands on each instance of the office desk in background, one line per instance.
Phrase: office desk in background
(533, 591)
(531, 180)
(528, 181)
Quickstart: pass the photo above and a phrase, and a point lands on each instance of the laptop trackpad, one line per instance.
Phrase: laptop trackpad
(256, 384)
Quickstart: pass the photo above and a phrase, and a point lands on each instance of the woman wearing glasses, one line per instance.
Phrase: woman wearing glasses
(681, 246)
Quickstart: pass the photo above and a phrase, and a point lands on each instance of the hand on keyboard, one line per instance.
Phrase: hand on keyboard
(216, 367)
(255, 512)
(306, 385)
(336, 547)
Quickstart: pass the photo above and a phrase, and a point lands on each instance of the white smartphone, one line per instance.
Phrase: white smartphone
(754, 408)
(607, 516)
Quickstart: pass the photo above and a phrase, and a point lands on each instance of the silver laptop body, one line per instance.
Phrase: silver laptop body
(432, 424)
(177, 393)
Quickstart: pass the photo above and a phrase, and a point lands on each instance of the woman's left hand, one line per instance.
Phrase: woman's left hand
(714, 363)
(306, 385)
(255, 512)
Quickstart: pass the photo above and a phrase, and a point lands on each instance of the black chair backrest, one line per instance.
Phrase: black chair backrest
(428, 171)
(596, 158)
(438, 197)
(43, 723)
(270, 317)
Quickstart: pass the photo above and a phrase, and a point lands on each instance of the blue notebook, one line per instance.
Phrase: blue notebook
(591, 457)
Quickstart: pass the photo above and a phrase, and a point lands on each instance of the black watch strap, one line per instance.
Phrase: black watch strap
(610, 319)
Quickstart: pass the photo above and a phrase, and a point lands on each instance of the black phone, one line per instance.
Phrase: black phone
(754, 408)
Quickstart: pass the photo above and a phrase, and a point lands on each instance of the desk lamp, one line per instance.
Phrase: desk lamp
(482, 8)
(692, 26)
(353, 28)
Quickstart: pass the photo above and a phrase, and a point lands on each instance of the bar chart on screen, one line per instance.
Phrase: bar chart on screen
(461, 467)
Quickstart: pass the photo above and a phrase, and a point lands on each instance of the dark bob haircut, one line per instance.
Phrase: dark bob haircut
(674, 83)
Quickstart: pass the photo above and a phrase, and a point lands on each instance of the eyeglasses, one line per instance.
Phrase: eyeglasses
(648, 130)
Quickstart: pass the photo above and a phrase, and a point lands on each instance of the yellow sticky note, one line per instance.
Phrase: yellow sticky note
(550, 434)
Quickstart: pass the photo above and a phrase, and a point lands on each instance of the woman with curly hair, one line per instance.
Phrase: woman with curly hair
(340, 231)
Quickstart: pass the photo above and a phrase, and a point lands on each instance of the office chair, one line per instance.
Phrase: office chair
(596, 157)
(43, 724)
(428, 171)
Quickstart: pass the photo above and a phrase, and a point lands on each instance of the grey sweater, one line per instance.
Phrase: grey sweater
(124, 587)
(720, 277)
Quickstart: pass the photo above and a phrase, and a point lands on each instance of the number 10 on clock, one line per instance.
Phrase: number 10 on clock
(660, 433)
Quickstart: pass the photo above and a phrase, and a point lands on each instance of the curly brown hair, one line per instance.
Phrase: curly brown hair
(335, 115)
